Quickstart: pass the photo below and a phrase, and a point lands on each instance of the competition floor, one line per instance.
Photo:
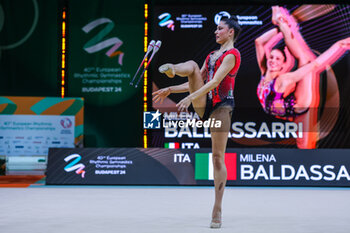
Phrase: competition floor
(95, 209)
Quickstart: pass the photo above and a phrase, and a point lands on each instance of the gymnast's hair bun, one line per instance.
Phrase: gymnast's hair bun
(234, 17)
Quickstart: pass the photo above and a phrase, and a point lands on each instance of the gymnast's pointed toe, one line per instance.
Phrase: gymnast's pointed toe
(167, 69)
(215, 224)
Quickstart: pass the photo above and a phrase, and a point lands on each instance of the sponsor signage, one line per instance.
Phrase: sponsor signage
(112, 166)
(247, 167)
(35, 134)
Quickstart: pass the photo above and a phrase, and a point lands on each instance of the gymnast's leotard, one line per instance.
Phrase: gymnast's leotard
(223, 93)
(274, 103)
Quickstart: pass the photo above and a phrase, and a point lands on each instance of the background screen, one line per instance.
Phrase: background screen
(187, 33)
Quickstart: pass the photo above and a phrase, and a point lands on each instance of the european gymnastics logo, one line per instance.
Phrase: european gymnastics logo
(219, 15)
(74, 165)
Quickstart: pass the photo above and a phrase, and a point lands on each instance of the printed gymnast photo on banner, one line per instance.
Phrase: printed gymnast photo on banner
(289, 86)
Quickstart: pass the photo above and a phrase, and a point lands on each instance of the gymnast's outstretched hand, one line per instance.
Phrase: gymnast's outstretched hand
(184, 104)
(160, 95)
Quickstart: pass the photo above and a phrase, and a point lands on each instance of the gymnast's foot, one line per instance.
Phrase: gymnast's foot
(216, 219)
(283, 16)
(167, 69)
(274, 18)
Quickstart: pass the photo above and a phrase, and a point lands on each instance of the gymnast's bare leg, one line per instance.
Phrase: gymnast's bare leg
(190, 70)
(219, 141)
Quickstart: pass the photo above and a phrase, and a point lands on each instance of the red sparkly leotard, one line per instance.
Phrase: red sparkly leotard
(225, 89)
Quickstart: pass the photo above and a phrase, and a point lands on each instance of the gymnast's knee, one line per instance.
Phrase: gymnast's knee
(218, 161)
(194, 65)
(304, 60)
(303, 103)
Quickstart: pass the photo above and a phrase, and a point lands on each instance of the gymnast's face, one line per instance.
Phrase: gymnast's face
(223, 33)
(275, 61)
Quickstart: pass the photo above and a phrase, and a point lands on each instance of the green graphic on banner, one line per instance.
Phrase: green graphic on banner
(10, 108)
(47, 103)
(105, 46)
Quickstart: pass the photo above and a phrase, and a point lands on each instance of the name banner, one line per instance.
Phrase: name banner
(161, 166)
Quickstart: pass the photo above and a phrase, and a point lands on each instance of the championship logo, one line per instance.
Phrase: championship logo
(95, 44)
(166, 21)
(74, 165)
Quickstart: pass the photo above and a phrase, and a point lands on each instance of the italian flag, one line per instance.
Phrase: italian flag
(172, 145)
(204, 169)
